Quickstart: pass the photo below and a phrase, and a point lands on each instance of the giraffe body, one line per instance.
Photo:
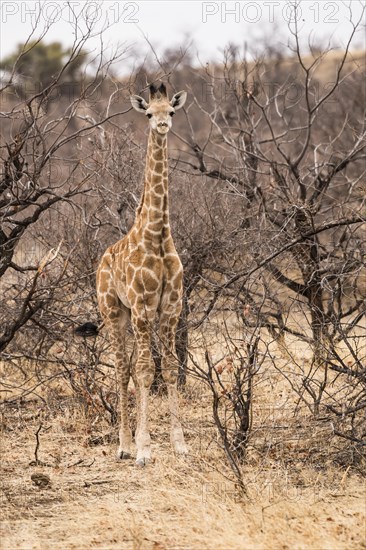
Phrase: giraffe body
(139, 280)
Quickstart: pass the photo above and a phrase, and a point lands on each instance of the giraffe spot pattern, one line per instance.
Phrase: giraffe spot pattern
(140, 277)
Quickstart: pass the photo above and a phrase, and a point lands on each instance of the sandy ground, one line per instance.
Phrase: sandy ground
(93, 501)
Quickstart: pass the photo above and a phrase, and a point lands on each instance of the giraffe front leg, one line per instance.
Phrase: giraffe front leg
(144, 375)
(168, 325)
(116, 316)
(122, 367)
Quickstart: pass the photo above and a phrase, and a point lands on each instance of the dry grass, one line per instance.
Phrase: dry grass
(296, 498)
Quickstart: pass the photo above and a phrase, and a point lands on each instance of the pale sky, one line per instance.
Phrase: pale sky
(170, 24)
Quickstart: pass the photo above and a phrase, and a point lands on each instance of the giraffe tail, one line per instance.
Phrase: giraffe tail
(87, 330)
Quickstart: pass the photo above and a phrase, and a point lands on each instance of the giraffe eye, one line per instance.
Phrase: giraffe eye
(149, 115)
(172, 113)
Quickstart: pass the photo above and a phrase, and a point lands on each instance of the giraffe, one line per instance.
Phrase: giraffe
(139, 279)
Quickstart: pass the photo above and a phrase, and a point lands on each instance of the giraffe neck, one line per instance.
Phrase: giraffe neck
(153, 212)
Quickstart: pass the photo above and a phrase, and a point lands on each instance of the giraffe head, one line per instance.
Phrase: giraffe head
(159, 110)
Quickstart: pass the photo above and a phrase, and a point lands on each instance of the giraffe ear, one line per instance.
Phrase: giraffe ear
(138, 103)
(178, 100)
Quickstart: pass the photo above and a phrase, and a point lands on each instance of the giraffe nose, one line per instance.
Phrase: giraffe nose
(163, 124)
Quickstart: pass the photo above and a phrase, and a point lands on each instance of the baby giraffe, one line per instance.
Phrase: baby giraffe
(139, 279)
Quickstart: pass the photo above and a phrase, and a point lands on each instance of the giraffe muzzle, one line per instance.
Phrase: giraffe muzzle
(162, 127)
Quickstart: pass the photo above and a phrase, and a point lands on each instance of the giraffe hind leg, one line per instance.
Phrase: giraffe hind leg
(168, 323)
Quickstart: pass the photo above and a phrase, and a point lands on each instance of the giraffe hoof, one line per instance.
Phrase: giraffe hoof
(142, 462)
(180, 449)
(181, 452)
(123, 455)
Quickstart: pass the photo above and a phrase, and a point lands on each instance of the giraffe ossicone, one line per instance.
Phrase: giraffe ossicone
(139, 280)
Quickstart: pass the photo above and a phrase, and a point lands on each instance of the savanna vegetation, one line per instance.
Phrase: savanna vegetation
(267, 197)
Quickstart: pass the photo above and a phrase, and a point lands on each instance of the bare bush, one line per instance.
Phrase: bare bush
(267, 201)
